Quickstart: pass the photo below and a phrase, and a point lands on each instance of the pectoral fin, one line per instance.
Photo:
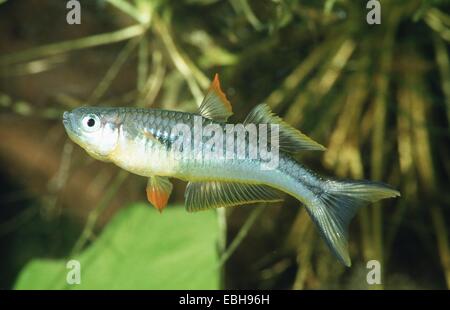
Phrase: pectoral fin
(215, 105)
(151, 137)
(214, 194)
(158, 191)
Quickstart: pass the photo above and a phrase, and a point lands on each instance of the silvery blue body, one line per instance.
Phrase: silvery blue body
(144, 142)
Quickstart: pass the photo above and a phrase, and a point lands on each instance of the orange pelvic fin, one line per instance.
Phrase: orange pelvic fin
(158, 191)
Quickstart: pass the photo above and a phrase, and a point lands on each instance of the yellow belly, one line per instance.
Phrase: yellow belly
(135, 157)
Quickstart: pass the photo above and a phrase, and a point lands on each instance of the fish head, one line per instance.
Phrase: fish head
(94, 129)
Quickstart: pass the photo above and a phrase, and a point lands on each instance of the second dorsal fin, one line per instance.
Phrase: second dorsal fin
(291, 140)
(215, 105)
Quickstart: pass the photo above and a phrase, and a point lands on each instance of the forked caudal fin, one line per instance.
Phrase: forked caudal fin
(337, 204)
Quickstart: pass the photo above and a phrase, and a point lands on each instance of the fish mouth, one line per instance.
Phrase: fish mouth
(66, 119)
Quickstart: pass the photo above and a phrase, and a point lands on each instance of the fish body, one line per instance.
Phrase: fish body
(221, 166)
(137, 151)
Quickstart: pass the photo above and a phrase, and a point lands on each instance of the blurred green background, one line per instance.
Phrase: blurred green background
(378, 96)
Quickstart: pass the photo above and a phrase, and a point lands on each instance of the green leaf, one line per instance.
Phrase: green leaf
(140, 249)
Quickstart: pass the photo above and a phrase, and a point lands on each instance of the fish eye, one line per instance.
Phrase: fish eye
(90, 123)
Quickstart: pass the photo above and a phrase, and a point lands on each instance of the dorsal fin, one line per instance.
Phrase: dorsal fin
(215, 105)
(291, 140)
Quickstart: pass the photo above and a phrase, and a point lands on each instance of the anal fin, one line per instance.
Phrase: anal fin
(215, 194)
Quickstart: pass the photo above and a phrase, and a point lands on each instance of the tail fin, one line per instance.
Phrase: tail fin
(337, 204)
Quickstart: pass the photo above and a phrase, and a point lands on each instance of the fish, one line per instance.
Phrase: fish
(144, 141)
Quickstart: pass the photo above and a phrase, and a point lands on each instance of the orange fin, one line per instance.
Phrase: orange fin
(215, 105)
(215, 86)
(158, 191)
